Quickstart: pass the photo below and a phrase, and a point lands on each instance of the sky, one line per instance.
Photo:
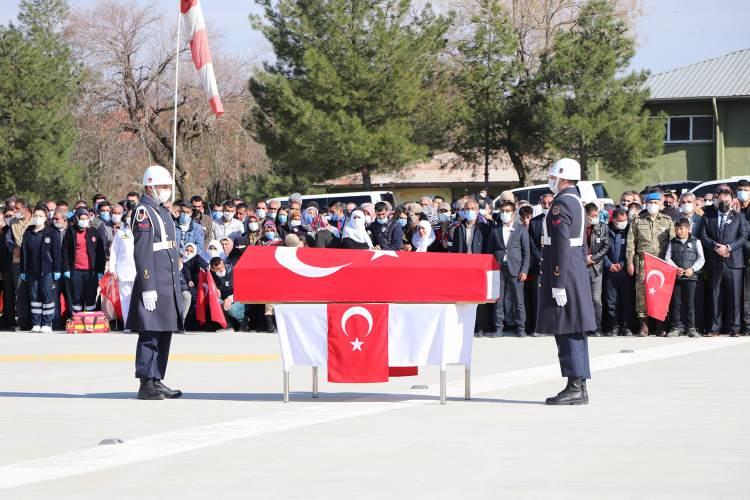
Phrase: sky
(670, 34)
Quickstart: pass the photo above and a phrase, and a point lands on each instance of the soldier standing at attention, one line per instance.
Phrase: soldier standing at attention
(650, 232)
(565, 308)
(155, 306)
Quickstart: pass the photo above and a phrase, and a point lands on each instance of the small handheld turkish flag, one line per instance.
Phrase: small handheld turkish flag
(659, 281)
(357, 343)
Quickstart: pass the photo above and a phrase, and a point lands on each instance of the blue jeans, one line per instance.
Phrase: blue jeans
(236, 311)
(42, 300)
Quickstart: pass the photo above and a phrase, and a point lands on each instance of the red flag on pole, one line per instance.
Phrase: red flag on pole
(659, 281)
(195, 27)
(357, 343)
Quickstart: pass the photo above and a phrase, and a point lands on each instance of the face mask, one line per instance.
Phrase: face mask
(593, 220)
(20, 216)
(723, 207)
(462, 214)
(70, 214)
(444, 217)
(105, 216)
(269, 235)
(253, 226)
(261, 213)
(553, 185)
(708, 203)
(383, 220)
(187, 256)
(307, 218)
(368, 220)
(8, 221)
(545, 211)
(213, 253)
(164, 195)
(216, 214)
(652, 208)
(50, 215)
(116, 218)
(183, 219)
(333, 217)
(83, 224)
(402, 222)
(228, 216)
(687, 208)
(59, 225)
(621, 225)
(38, 221)
(272, 215)
(506, 217)
(295, 223)
(471, 215)
(283, 219)
(221, 274)
(743, 196)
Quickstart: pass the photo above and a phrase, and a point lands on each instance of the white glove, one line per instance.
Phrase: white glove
(560, 296)
(149, 300)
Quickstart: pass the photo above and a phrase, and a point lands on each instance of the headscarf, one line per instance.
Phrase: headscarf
(421, 244)
(431, 214)
(185, 258)
(355, 228)
(216, 244)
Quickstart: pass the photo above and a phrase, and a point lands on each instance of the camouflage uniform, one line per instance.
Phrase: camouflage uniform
(647, 235)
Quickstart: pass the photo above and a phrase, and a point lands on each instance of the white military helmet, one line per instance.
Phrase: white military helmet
(156, 175)
(566, 168)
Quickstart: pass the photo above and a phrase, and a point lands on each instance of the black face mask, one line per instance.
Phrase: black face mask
(724, 206)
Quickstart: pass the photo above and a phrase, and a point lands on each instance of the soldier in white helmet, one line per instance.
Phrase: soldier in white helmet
(156, 302)
(565, 308)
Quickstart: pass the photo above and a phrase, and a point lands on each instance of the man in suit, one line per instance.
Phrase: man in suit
(597, 242)
(620, 286)
(535, 258)
(471, 237)
(509, 242)
(565, 307)
(743, 197)
(724, 233)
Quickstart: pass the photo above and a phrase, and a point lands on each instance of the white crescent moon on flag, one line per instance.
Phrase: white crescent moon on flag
(287, 258)
(356, 311)
(656, 272)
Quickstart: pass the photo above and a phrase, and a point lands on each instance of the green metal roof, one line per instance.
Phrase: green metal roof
(725, 76)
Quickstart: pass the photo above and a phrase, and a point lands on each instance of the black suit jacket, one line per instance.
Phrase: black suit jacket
(516, 252)
(480, 237)
(535, 243)
(735, 235)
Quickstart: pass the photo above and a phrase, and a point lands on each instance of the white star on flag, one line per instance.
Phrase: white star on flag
(652, 291)
(376, 254)
(357, 345)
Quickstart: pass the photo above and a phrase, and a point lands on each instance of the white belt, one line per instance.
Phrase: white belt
(574, 242)
(164, 245)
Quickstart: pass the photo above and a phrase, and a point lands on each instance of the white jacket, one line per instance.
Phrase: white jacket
(121, 260)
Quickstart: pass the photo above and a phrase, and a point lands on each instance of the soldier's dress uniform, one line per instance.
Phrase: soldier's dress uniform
(564, 266)
(156, 264)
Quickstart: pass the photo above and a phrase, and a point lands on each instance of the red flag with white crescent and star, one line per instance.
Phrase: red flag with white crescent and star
(659, 281)
(357, 343)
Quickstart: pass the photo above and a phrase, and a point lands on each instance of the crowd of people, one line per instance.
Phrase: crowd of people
(54, 254)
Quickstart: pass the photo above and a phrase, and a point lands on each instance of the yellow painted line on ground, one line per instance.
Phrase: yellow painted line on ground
(113, 358)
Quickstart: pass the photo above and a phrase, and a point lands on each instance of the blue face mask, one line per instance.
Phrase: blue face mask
(217, 214)
(444, 217)
(402, 222)
(471, 215)
(307, 218)
(270, 235)
(105, 216)
(333, 218)
(184, 219)
(384, 220)
(283, 219)
(70, 214)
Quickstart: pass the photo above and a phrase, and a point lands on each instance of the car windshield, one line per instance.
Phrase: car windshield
(600, 190)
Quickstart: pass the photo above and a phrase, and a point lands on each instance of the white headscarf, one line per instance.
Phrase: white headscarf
(421, 244)
(355, 228)
(216, 244)
(185, 258)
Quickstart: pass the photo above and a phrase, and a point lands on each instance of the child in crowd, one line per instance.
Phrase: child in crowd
(685, 252)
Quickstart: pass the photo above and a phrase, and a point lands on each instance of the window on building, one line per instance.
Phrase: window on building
(690, 129)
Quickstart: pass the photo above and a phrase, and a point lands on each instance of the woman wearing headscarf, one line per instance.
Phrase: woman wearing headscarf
(192, 263)
(424, 239)
(326, 236)
(282, 218)
(295, 224)
(270, 235)
(254, 234)
(355, 234)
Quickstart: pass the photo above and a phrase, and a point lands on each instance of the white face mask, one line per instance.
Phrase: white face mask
(593, 220)
(295, 223)
(652, 208)
(253, 226)
(368, 219)
(116, 218)
(506, 217)
(621, 225)
(213, 252)
(743, 196)
(708, 203)
(187, 256)
(228, 216)
(164, 195)
(221, 274)
(83, 224)
(38, 221)
(553, 185)
(687, 208)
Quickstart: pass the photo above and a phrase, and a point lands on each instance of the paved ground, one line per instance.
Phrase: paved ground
(668, 420)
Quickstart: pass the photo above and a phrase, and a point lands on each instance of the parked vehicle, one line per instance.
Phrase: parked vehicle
(679, 187)
(711, 186)
(324, 200)
(588, 190)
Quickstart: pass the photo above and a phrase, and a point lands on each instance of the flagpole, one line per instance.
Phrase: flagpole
(176, 84)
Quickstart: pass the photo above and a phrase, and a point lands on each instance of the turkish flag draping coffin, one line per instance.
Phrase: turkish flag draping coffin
(322, 275)
(659, 281)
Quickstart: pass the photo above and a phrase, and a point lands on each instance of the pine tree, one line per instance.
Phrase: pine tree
(38, 86)
(348, 80)
(596, 109)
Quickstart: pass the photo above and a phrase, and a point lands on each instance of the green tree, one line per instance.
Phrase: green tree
(501, 108)
(38, 85)
(596, 108)
(348, 80)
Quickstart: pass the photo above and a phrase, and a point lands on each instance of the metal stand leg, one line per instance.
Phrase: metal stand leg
(467, 383)
(286, 387)
(443, 377)
(315, 382)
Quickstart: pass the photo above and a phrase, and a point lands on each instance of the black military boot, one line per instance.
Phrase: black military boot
(573, 394)
(585, 393)
(149, 390)
(168, 393)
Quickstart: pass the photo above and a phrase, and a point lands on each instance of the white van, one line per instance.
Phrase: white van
(588, 190)
(710, 186)
(324, 200)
